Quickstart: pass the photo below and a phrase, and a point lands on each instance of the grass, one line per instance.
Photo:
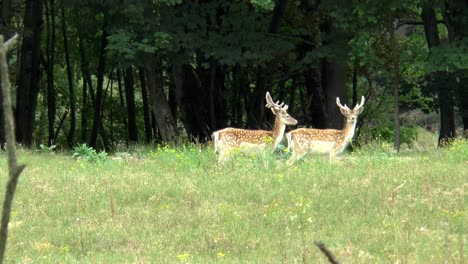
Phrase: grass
(175, 205)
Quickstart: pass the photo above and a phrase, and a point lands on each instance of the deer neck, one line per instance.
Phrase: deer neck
(348, 131)
(278, 131)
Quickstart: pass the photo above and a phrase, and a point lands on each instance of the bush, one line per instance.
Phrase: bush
(408, 134)
(83, 152)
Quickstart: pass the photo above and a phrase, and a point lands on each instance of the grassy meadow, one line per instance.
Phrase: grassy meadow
(175, 205)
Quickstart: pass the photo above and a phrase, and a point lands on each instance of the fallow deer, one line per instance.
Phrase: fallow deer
(308, 140)
(227, 139)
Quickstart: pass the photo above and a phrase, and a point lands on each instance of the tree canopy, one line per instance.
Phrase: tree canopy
(105, 72)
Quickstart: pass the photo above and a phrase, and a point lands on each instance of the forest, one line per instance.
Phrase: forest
(125, 71)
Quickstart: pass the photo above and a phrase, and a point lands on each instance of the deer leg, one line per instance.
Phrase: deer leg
(297, 155)
(335, 149)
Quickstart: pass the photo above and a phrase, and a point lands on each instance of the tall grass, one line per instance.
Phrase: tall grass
(176, 205)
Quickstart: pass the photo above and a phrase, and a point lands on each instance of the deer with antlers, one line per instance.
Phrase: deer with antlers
(227, 139)
(308, 140)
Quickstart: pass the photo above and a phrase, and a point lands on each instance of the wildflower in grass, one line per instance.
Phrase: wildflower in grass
(280, 177)
(43, 246)
(222, 254)
(64, 250)
(183, 257)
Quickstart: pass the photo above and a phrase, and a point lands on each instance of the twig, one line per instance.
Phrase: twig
(331, 258)
(14, 170)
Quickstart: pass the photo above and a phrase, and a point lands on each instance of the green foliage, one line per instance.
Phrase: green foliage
(47, 149)
(83, 152)
(408, 135)
(449, 57)
(263, 5)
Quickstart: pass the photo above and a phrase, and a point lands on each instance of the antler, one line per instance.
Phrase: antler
(271, 104)
(361, 104)
(340, 105)
(346, 107)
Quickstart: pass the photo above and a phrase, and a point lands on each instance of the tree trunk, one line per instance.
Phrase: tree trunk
(5, 19)
(50, 64)
(191, 101)
(85, 63)
(315, 107)
(438, 79)
(71, 90)
(29, 72)
(256, 111)
(237, 108)
(395, 67)
(211, 92)
(160, 106)
(455, 19)
(334, 77)
(84, 113)
(131, 108)
(146, 111)
(99, 88)
(220, 100)
(444, 85)
(121, 95)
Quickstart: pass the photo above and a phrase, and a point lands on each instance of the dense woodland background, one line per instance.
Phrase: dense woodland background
(126, 71)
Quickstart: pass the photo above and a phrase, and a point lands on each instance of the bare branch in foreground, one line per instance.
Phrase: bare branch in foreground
(331, 258)
(14, 170)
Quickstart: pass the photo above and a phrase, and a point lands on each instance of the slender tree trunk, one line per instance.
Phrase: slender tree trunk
(99, 89)
(455, 16)
(236, 98)
(160, 106)
(84, 112)
(395, 67)
(50, 64)
(292, 95)
(29, 72)
(146, 111)
(84, 62)
(121, 95)
(111, 114)
(355, 85)
(71, 90)
(211, 93)
(131, 108)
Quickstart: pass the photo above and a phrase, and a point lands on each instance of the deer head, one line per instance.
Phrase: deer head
(351, 115)
(279, 110)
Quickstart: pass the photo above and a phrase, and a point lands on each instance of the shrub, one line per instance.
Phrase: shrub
(83, 152)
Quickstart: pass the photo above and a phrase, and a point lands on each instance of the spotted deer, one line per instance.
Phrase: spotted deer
(308, 140)
(225, 140)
